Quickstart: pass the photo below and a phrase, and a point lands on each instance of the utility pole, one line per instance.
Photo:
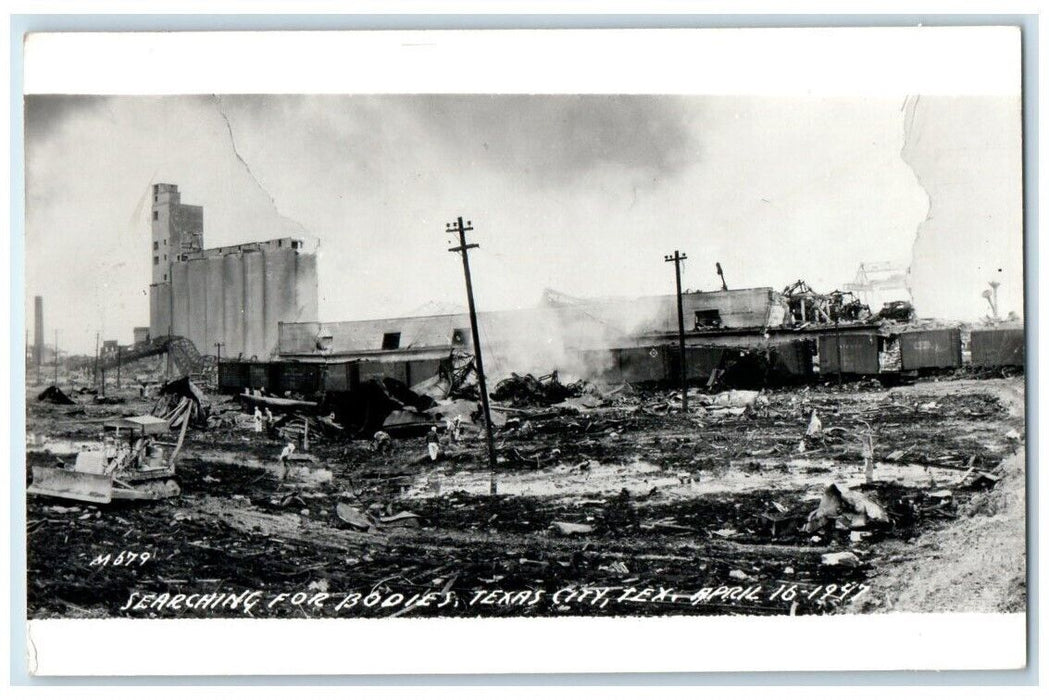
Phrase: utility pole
(56, 357)
(94, 371)
(677, 258)
(120, 358)
(464, 248)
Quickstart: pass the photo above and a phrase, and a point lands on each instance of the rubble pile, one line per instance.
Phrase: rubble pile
(180, 397)
(54, 395)
(526, 390)
(595, 486)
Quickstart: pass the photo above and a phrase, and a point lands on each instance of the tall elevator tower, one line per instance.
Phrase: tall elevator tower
(177, 232)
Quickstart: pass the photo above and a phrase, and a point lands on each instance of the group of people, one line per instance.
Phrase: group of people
(262, 420)
(453, 432)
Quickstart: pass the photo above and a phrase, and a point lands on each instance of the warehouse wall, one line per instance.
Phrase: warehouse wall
(735, 308)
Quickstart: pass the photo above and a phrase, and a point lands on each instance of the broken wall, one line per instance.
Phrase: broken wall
(734, 308)
(528, 340)
(571, 338)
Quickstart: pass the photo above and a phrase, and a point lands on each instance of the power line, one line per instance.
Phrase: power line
(464, 249)
(677, 258)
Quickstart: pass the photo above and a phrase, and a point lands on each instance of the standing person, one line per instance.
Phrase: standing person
(257, 420)
(433, 443)
(283, 459)
(867, 451)
(454, 428)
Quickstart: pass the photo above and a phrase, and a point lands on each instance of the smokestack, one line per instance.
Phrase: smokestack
(38, 328)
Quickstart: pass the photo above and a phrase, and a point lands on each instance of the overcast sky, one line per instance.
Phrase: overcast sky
(580, 194)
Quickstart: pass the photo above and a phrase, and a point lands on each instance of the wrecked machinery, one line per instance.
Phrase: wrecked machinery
(131, 461)
(808, 306)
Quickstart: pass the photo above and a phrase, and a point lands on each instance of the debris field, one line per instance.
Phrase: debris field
(608, 502)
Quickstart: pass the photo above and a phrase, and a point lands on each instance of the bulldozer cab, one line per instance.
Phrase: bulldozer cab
(133, 450)
(135, 426)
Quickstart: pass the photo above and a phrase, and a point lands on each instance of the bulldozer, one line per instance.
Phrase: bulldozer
(131, 462)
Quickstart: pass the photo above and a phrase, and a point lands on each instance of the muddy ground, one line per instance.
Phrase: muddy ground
(696, 515)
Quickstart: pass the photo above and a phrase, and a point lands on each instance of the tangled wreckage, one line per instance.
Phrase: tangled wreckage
(817, 440)
(776, 490)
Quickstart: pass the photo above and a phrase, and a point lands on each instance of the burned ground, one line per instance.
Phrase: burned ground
(627, 495)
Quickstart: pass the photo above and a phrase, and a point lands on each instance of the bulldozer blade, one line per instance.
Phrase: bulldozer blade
(73, 485)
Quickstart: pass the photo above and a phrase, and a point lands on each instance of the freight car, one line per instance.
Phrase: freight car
(997, 347)
(854, 352)
(289, 376)
(919, 351)
(936, 349)
(850, 354)
(892, 355)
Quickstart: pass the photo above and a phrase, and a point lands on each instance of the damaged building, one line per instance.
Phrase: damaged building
(612, 340)
(254, 305)
(744, 338)
(229, 300)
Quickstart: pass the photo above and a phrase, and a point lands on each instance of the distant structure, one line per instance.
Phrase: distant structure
(38, 330)
(229, 300)
(878, 283)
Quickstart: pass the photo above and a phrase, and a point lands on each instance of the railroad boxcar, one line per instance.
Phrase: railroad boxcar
(416, 371)
(640, 364)
(340, 376)
(647, 364)
(234, 376)
(853, 353)
(997, 347)
(699, 362)
(939, 348)
(297, 377)
(792, 360)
